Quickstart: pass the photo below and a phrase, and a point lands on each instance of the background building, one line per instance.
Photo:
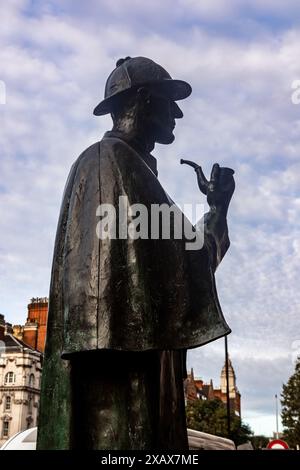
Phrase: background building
(34, 331)
(20, 376)
(196, 389)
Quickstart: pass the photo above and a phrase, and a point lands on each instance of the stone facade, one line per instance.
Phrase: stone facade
(196, 389)
(234, 394)
(20, 376)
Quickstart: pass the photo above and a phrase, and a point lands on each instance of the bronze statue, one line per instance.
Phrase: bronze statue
(123, 311)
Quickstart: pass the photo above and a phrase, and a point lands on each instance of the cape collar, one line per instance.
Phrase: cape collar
(147, 157)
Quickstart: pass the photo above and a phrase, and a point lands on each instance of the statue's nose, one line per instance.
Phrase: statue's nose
(177, 111)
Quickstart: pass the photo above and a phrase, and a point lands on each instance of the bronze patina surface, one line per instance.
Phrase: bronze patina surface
(123, 312)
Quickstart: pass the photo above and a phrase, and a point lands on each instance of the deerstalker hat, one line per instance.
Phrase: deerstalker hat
(135, 72)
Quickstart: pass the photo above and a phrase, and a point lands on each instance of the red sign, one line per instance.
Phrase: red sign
(277, 444)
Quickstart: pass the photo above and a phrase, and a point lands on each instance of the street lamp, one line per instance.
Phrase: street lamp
(276, 407)
(227, 387)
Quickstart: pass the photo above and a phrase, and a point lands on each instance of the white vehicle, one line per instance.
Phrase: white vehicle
(26, 440)
(23, 440)
(202, 441)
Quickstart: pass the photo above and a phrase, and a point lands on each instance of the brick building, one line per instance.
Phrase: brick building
(20, 376)
(196, 389)
(34, 331)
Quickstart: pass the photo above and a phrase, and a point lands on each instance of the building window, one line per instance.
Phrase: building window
(30, 400)
(5, 431)
(10, 378)
(8, 403)
(31, 380)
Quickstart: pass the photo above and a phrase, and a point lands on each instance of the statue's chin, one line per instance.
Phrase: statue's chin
(166, 138)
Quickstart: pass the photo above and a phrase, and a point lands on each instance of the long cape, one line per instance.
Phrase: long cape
(123, 294)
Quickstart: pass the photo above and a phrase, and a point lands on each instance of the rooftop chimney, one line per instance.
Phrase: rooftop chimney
(8, 328)
(2, 327)
(30, 333)
(36, 325)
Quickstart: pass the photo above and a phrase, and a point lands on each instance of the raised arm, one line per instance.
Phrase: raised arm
(219, 190)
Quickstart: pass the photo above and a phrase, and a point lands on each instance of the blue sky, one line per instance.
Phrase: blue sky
(241, 58)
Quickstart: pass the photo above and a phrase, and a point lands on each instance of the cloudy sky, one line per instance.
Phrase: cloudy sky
(241, 58)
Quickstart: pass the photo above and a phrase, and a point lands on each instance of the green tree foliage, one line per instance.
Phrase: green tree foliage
(211, 416)
(259, 442)
(291, 408)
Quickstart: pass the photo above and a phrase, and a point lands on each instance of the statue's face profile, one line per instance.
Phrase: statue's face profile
(141, 97)
(148, 114)
(163, 113)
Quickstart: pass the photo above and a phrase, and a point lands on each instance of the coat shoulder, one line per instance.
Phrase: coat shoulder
(88, 153)
(99, 149)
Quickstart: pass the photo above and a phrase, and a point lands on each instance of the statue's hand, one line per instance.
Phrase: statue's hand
(219, 189)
